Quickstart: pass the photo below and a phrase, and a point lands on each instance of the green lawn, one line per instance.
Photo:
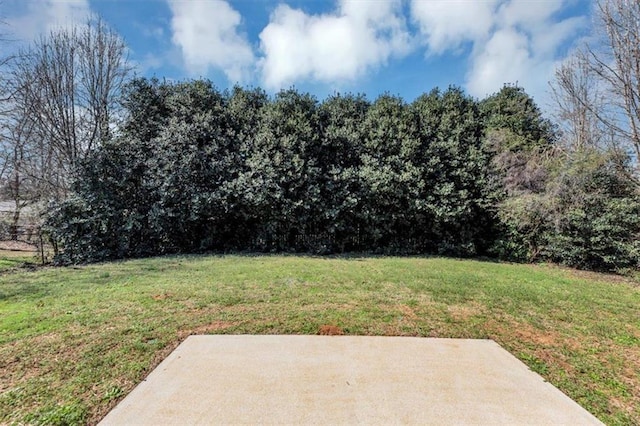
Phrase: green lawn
(74, 341)
(16, 259)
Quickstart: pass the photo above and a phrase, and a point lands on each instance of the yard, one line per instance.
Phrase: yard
(74, 341)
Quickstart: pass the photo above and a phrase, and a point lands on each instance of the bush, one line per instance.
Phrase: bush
(602, 234)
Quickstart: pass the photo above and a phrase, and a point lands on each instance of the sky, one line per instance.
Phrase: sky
(401, 47)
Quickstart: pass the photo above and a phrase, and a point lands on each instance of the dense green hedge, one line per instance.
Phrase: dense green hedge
(195, 169)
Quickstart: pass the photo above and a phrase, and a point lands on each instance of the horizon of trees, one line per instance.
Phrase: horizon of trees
(137, 167)
(194, 169)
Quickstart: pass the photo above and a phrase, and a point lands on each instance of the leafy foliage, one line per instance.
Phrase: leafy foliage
(195, 169)
(595, 215)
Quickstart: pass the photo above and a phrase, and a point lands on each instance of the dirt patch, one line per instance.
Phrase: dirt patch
(162, 296)
(527, 333)
(462, 313)
(507, 328)
(407, 312)
(598, 276)
(29, 358)
(548, 346)
(592, 275)
(13, 245)
(629, 377)
(551, 358)
(213, 327)
(330, 330)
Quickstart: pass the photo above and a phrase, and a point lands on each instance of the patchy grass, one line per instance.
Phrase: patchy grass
(10, 259)
(74, 341)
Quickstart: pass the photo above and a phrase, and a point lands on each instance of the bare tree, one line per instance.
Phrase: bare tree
(18, 186)
(598, 90)
(617, 64)
(66, 86)
(579, 104)
(60, 99)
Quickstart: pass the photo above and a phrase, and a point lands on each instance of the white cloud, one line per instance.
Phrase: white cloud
(42, 16)
(525, 48)
(207, 33)
(334, 47)
(149, 62)
(448, 23)
(155, 32)
(505, 58)
(507, 41)
(512, 40)
(528, 13)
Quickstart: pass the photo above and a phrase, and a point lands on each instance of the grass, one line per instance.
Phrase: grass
(15, 259)
(75, 341)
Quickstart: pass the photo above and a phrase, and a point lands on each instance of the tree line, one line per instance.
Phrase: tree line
(126, 167)
(195, 169)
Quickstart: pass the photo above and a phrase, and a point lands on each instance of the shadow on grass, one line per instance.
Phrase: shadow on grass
(355, 256)
(21, 286)
(22, 289)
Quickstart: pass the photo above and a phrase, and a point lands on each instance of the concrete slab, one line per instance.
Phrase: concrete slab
(343, 380)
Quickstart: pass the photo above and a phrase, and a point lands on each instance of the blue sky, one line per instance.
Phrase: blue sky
(404, 47)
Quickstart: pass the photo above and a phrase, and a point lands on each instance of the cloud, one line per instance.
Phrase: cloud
(448, 23)
(42, 16)
(154, 32)
(525, 48)
(149, 62)
(511, 40)
(207, 33)
(504, 58)
(357, 37)
(506, 41)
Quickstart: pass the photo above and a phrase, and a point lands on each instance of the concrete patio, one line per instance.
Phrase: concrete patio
(246, 379)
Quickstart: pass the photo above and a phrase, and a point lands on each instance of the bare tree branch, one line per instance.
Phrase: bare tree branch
(65, 86)
(598, 91)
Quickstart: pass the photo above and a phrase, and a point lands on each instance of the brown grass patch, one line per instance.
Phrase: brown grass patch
(592, 275)
(527, 333)
(506, 328)
(462, 313)
(213, 327)
(16, 368)
(162, 296)
(330, 330)
(629, 376)
(17, 246)
(407, 312)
